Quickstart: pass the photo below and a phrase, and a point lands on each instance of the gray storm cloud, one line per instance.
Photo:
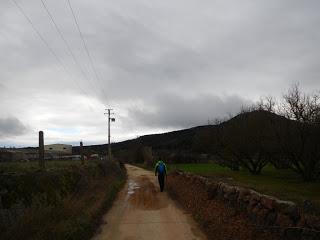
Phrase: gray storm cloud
(179, 112)
(160, 64)
(11, 126)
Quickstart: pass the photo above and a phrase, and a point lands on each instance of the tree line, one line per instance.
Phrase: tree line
(284, 133)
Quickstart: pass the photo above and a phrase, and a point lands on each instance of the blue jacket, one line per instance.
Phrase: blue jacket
(157, 165)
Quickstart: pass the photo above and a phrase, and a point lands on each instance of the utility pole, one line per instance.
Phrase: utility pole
(110, 119)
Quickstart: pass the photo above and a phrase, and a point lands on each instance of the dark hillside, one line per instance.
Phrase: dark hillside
(181, 139)
(250, 140)
(193, 139)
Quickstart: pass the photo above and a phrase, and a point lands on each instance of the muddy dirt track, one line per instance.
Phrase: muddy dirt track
(142, 212)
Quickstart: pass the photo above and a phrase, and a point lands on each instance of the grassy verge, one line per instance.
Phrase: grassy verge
(284, 184)
(88, 191)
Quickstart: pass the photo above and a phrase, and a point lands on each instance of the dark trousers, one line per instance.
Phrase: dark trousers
(161, 181)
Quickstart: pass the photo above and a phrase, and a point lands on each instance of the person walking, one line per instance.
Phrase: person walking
(161, 171)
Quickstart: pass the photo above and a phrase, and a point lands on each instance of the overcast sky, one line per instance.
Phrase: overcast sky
(162, 65)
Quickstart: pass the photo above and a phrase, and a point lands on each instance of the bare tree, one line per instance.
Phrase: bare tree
(248, 141)
(299, 138)
(267, 103)
(300, 106)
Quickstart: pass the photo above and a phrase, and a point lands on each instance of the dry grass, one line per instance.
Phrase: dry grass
(75, 217)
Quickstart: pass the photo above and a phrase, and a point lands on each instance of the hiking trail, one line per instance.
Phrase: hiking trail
(142, 212)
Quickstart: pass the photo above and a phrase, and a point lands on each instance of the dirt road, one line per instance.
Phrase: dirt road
(141, 212)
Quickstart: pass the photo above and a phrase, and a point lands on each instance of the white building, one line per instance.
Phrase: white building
(58, 149)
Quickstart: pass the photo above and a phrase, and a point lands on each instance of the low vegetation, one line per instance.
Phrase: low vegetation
(32, 166)
(66, 201)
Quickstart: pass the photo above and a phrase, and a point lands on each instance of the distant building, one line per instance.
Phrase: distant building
(59, 149)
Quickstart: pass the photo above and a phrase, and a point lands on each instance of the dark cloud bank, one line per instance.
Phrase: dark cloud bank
(178, 112)
(11, 126)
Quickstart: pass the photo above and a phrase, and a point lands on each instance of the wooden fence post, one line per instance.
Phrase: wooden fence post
(81, 152)
(41, 151)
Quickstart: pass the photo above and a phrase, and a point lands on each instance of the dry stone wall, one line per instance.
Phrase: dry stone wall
(262, 210)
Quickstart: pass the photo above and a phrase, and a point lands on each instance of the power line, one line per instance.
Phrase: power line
(38, 33)
(64, 40)
(85, 47)
(47, 45)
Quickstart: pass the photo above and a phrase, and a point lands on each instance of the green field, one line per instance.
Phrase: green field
(284, 184)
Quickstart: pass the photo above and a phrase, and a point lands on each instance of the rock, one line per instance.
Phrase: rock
(247, 199)
(253, 213)
(255, 196)
(230, 193)
(243, 194)
(203, 180)
(221, 186)
(232, 197)
(262, 215)
(228, 189)
(194, 179)
(284, 221)
(253, 192)
(212, 190)
(242, 206)
(267, 202)
(283, 205)
(254, 200)
(220, 190)
(271, 218)
(288, 208)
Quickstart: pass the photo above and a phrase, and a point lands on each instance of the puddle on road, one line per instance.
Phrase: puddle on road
(143, 194)
(132, 186)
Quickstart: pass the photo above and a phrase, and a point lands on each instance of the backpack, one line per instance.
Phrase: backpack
(161, 168)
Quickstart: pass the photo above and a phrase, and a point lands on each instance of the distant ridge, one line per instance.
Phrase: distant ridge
(184, 139)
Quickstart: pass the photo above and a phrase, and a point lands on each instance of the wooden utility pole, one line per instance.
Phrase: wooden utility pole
(81, 153)
(41, 151)
(110, 119)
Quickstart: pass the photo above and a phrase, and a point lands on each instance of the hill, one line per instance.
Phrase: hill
(196, 140)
